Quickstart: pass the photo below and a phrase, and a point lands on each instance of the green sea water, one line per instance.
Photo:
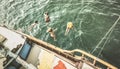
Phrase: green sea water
(92, 19)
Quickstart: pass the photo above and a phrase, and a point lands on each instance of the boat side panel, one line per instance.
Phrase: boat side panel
(61, 64)
(50, 61)
(33, 55)
(13, 39)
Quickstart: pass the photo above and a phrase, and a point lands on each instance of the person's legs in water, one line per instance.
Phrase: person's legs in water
(52, 34)
(46, 17)
(67, 30)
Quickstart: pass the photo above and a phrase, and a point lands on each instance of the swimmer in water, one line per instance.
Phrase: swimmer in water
(46, 17)
(32, 25)
(52, 34)
(69, 26)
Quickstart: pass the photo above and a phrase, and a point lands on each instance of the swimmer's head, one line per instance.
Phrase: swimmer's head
(49, 30)
(36, 21)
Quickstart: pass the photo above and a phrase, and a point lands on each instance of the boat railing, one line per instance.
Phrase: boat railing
(95, 59)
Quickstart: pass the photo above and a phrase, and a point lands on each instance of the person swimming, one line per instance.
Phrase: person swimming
(52, 34)
(32, 25)
(46, 17)
(69, 26)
